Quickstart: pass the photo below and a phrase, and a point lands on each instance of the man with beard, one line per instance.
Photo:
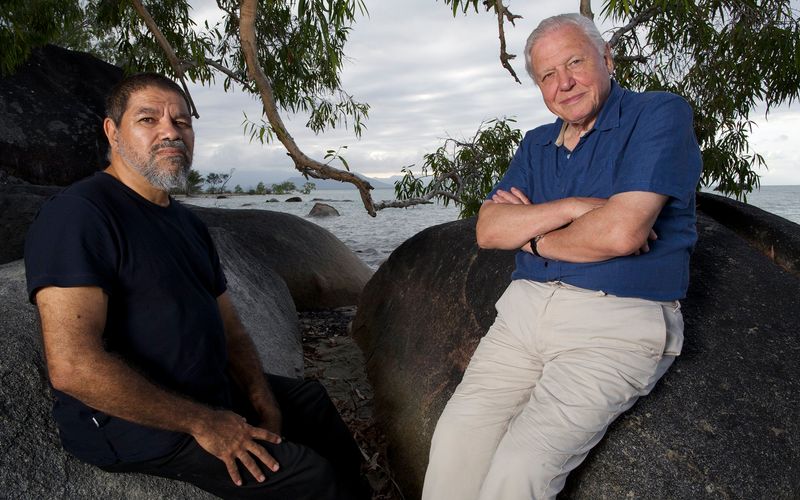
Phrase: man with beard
(151, 369)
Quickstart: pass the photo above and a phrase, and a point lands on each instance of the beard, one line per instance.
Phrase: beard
(173, 175)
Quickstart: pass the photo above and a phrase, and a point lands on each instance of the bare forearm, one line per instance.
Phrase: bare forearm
(509, 227)
(245, 366)
(621, 227)
(107, 383)
(247, 372)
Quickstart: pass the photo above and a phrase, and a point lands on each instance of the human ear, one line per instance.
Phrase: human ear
(110, 129)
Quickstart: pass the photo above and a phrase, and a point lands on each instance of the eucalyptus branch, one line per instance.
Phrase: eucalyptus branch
(586, 9)
(303, 163)
(503, 14)
(636, 21)
(637, 58)
(168, 50)
(237, 77)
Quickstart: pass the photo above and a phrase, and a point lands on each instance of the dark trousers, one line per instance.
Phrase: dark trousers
(318, 457)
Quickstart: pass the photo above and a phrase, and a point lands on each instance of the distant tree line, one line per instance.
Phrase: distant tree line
(216, 183)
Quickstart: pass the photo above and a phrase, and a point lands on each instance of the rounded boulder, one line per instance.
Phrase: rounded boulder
(721, 423)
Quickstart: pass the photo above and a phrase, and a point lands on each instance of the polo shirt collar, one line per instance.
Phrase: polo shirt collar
(607, 119)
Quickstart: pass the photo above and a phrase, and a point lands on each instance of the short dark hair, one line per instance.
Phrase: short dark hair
(117, 100)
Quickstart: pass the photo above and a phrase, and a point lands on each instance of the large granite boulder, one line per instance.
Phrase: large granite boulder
(723, 423)
(51, 115)
(321, 272)
(776, 237)
(19, 204)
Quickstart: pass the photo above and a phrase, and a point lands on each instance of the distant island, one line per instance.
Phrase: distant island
(331, 184)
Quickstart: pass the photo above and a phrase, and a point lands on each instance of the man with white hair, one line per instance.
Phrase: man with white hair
(600, 206)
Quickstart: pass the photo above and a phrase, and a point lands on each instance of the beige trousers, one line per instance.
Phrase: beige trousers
(559, 364)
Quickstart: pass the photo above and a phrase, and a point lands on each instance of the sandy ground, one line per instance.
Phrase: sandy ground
(332, 357)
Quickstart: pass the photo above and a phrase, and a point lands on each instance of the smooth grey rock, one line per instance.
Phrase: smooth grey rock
(776, 237)
(294, 199)
(323, 210)
(723, 423)
(264, 304)
(51, 115)
(320, 271)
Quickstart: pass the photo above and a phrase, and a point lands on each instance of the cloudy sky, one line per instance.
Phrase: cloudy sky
(427, 76)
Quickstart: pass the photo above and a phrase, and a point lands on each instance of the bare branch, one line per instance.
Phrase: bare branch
(303, 163)
(505, 57)
(638, 58)
(237, 77)
(168, 51)
(636, 21)
(586, 9)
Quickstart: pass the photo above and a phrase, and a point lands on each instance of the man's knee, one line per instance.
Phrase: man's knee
(519, 474)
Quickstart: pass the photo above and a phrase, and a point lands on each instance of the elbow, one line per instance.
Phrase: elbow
(63, 376)
(622, 242)
(483, 241)
(59, 378)
(484, 236)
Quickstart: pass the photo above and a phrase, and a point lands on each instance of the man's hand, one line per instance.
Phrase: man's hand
(229, 437)
(646, 246)
(513, 197)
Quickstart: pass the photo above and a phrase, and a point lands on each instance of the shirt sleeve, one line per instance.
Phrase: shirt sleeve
(70, 244)
(663, 156)
(518, 173)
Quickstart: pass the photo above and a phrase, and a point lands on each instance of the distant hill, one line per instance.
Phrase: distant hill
(331, 184)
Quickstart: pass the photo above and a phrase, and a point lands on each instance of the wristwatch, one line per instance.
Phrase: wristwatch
(534, 242)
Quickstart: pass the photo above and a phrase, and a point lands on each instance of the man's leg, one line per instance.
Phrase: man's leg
(310, 418)
(303, 474)
(602, 353)
(495, 386)
(318, 457)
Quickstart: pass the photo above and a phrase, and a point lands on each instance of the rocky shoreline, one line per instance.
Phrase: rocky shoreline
(331, 356)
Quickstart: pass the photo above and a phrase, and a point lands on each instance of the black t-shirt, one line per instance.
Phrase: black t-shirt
(162, 275)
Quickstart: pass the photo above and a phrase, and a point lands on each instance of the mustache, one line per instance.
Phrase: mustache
(178, 144)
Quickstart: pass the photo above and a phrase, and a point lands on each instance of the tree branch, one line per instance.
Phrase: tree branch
(586, 9)
(636, 21)
(303, 163)
(503, 14)
(168, 51)
(638, 58)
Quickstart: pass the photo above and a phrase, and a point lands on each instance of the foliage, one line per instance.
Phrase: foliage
(23, 27)
(238, 189)
(193, 181)
(261, 188)
(464, 171)
(215, 179)
(725, 57)
(284, 187)
(308, 187)
(300, 45)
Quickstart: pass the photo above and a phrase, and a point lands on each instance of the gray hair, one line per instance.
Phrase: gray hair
(554, 23)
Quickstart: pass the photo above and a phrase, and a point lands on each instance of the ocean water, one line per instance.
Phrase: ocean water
(371, 238)
(780, 200)
(374, 238)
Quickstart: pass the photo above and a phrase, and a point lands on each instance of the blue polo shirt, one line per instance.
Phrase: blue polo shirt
(639, 142)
